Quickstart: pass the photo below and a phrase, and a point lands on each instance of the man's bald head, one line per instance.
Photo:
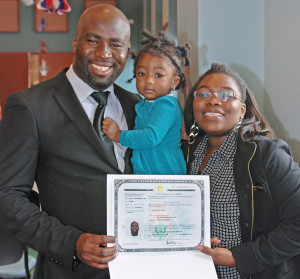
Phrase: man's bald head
(106, 12)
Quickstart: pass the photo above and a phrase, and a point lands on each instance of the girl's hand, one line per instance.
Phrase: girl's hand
(111, 129)
(220, 256)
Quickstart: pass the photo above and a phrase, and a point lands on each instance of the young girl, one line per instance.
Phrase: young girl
(159, 68)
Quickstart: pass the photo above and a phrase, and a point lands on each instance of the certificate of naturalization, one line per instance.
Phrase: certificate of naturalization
(159, 213)
(158, 221)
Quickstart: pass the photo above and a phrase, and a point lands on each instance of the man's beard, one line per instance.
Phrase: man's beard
(100, 85)
(134, 232)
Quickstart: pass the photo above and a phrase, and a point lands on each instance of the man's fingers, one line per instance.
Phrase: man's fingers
(91, 249)
(99, 257)
(104, 239)
(99, 266)
(102, 256)
(105, 251)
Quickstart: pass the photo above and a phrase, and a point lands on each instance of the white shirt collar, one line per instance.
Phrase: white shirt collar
(82, 89)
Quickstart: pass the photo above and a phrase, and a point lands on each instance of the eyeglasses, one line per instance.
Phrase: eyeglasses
(223, 96)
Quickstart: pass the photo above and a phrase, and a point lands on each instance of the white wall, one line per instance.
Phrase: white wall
(232, 32)
(282, 70)
(261, 41)
(229, 32)
(187, 32)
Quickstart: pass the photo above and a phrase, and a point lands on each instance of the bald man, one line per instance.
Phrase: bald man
(47, 135)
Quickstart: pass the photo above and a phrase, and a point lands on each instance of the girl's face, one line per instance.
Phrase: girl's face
(217, 118)
(155, 76)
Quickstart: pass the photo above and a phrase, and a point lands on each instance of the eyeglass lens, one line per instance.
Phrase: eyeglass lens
(222, 96)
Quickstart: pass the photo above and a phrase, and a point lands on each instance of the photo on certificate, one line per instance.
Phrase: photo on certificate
(156, 213)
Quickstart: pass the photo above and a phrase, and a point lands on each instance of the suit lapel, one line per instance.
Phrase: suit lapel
(127, 106)
(129, 111)
(69, 102)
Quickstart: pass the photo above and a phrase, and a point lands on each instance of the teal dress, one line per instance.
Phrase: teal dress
(156, 137)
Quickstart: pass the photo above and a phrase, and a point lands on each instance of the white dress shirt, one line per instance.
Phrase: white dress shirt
(113, 109)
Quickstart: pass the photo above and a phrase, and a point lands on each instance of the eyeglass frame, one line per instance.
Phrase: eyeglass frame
(217, 94)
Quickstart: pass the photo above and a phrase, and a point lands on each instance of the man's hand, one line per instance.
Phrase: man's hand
(111, 129)
(220, 256)
(92, 250)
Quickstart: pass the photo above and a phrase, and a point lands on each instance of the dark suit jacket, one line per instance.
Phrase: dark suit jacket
(46, 136)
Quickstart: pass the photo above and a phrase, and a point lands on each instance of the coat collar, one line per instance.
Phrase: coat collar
(125, 103)
(69, 102)
(244, 185)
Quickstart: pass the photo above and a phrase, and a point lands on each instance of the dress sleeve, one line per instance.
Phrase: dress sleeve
(282, 242)
(19, 156)
(163, 116)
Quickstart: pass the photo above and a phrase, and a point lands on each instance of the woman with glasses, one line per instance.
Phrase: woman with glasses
(255, 184)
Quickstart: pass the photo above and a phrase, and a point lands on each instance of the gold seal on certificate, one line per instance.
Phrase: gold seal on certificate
(158, 213)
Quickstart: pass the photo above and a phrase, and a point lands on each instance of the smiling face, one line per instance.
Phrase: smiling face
(134, 227)
(101, 46)
(217, 118)
(155, 76)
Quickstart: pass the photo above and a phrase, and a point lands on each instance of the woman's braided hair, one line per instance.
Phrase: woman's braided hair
(161, 45)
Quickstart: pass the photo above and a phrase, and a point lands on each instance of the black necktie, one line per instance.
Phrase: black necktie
(101, 99)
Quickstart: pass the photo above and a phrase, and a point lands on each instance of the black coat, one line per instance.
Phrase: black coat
(267, 183)
(46, 136)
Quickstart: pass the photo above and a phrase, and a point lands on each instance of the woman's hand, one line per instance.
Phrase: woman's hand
(215, 241)
(220, 256)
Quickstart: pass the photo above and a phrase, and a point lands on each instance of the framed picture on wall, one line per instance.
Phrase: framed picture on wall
(50, 22)
(90, 3)
(9, 16)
